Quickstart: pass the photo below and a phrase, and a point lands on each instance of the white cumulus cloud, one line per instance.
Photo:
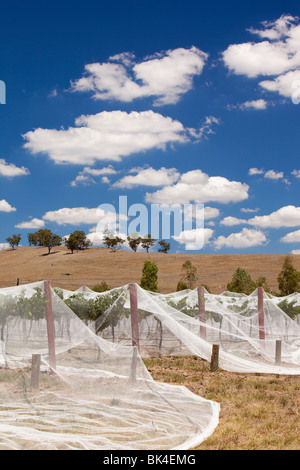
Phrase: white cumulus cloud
(276, 55)
(11, 170)
(6, 207)
(31, 224)
(287, 216)
(247, 238)
(292, 237)
(106, 136)
(148, 177)
(198, 187)
(165, 76)
(194, 239)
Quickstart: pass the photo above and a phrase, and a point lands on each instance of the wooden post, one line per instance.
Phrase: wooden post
(50, 326)
(134, 316)
(202, 317)
(133, 365)
(214, 364)
(278, 353)
(134, 330)
(261, 315)
(35, 372)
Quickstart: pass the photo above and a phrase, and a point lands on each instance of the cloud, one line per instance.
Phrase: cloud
(286, 85)
(275, 29)
(270, 174)
(295, 252)
(148, 177)
(273, 175)
(6, 207)
(293, 237)
(53, 93)
(166, 76)
(211, 212)
(112, 136)
(230, 221)
(196, 186)
(247, 210)
(74, 216)
(10, 170)
(296, 173)
(80, 216)
(277, 54)
(206, 128)
(255, 171)
(4, 246)
(31, 224)
(288, 216)
(106, 136)
(194, 239)
(255, 104)
(245, 239)
(85, 176)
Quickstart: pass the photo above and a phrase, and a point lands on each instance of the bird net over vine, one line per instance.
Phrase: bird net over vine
(253, 333)
(67, 383)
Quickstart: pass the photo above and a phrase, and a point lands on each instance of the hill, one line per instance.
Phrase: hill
(94, 265)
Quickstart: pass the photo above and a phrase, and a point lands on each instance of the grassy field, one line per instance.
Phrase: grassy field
(89, 267)
(258, 412)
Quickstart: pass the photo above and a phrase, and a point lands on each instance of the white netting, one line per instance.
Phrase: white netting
(170, 325)
(101, 396)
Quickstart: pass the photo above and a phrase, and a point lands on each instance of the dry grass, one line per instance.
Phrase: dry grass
(258, 412)
(94, 265)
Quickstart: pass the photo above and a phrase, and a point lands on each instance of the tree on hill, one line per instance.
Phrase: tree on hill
(134, 241)
(288, 278)
(112, 241)
(164, 246)
(32, 239)
(44, 237)
(241, 283)
(77, 241)
(189, 274)
(102, 287)
(147, 242)
(181, 286)
(149, 276)
(14, 240)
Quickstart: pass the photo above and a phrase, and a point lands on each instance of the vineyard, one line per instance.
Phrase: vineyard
(74, 363)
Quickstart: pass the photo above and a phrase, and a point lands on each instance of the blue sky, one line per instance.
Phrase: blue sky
(163, 102)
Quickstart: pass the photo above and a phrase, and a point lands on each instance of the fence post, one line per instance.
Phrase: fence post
(50, 326)
(134, 330)
(133, 365)
(35, 372)
(202, 317)
(214, 364)
(278, 353)
(261, 314)
(134, 316)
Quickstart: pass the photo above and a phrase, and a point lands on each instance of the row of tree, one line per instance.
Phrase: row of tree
(79, 241)
(288, 279)
(114, 242)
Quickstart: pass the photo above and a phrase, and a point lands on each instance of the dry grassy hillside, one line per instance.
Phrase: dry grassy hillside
(94, 265)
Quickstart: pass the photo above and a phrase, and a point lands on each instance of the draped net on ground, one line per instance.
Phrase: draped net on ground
(101, 395)
(248, 329)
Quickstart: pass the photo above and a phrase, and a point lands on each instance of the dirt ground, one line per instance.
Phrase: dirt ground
(90, 267)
